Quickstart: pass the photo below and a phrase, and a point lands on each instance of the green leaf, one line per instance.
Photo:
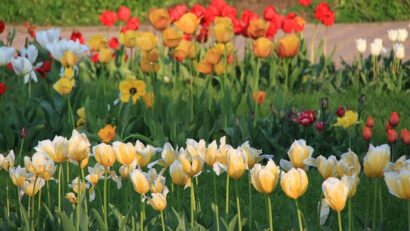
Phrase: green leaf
(100, 221)
(65, 221)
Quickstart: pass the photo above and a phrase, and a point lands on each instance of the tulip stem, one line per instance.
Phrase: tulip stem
(70, 111)
(223, 85)
(216, 203)
(192, 204)
(79, 186)
(339, 221)
(68, 172)
(162, 221)
(250, 201)
(380, 201)
(60, 171)
(255, 90)
(105, 198)
(299, 215)
(227, 196)
(374, 204)
(269, 212)
(85, 200)
(238, 206)
(349, 207)
(32, 207)
(39, 200)
(178, 200)
(8, 203)
(48, 195)
(142, 213)
(408, 214)
(20, 151)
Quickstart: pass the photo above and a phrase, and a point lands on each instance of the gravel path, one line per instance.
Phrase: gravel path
(340, 35)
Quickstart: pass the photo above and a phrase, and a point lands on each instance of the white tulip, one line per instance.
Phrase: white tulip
(402, 35)
(384, 52)
(30, 53)
(48, 36)
(398, 49)
(361, 45)
(6, 54)
(24, 68)
(392, 35)
(375, 47)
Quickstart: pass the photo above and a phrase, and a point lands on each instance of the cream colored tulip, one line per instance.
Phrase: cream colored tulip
(178, 175)
(348, 165)
(104, 155)
(326, 167)
(398, 165)
(78, 186)
(265, 178)
(32, 186)
(336, 193)
(294, 183)
(125, 153)
(252, 155)
(376, 160)
(39, 165)
(95, 174)
(57, 149)
(78, 147)
(18, 175)
(140, 181)
(124, 171)
(236, 163)
(298, 153)
(223, 149)
(159, 200)
(71, 198)
(156, 181)
(191, 164)
(212, 154)
(398, 183)
(145, 152)
(7, 162)
(168, 155)
(351, 181)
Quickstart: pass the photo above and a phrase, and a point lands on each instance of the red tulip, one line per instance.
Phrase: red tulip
(248, 16)
(324, 14)
(392, 135)
(2, 26)
(370, 122)
(340, 111)
(367, 133)
(289, 23)
(77, 36)
(23, 133)
(3, 88)
(94, 58)
(133, 23)
(304, 2)
(113, 43)
(219, 4)
(299, 23)
(44, 69)
(238, 25)
(320, 125)
(108, 18)
(306, 117)
(228, 11)
(269, 13)
(177, 11)
(198, 10)
(202, 37)
(405, 136)
(209, 16)
(124, 13)
(394, 119)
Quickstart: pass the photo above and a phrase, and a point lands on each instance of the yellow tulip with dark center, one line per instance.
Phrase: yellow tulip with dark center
(204, 67)
(288, 46)
(335, 192)
(188, 23)
(159, 18)
(262, 47)
(139, 180)
(257, 28)
(125, 153)
(376, 160)
(98, 42)
(350, 118)
(348, 165)
(129, 38)
(213, 56)
(105, 55)
(294, 183)
(107, 133)
(104, 155)
(147, 41)
(398, 183)
(171, 37)
(265, 178)
(236, 163)
(183, 50)
(69, 59)
(78, 146)
(64, 86)
(223, 29)
(131, 88)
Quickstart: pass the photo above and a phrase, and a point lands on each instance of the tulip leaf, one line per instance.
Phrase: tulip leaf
(100, 221)
(65, 221)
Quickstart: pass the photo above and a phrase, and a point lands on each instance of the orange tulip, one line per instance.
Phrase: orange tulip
(262, 47)
(223, 29)
(183, 50)
(148, 99)
(213, 56)
(257, 28)
(107, 133)
(188, 23)
(259, 97)
(159, 18)
(204, 67)
(171, 37)
(288, 46)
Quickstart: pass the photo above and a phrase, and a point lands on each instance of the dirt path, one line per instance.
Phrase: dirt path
(342, 36)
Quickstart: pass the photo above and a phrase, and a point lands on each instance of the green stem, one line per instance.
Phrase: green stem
(105, 198)
(325, 42)
(192, 204)
(256, 89)
(8, 203)
(339, 221)
(286, 69)
(39, 200)
(68, 172)
(191, 83)
(299, 216)
(142, 213)
(103, 80)
(162, 221)
(408, 214)
(48, 195)
(270, 212)
(374, 204)
(380, 201)
(178, 200)
(79, 185)
(21, 150)
(60, 171)
(85, 200)
(70, 111)
(223, 85)
(367, 206)
(250, 201)
(32, 210)
(238, 207)
(29, 212)
(29, 88)
(227, 196)
(349, 206)
(216, 203)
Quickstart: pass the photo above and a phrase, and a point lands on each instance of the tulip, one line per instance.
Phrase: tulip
(188, 23)
(8, 161)
(405, 136)
(398, 51)
(125, 153)
(336, 192)
(6, 55)
(124, 171)
(140, 181)
(105, 55)
(94, 174)
(183, 50)
(265, 178)
(402, 35)
(171, 37)
(78, 147)
(47, 36)
(178, 175)
(326, 167)
(213, 56)
(168, 155)
(39, 164)
(370, 122)
(64, 86)
(98, 42)
(223, 29)
(156, 181)
(252, 155)
(298, 153)
(392, 35)
(159, 200)
(288, 46)
(376, 160)
(376, 47)
(236, 163)
(148, 67)
(340, 112)
(397, 182)
(32, 186)
(319, 126)
(257, 28)
(367, 133)
(24, 68)
(145, 153)
(148, 99)
(104, 155)
(69, 59)
(147, 41)
(129, 38)
(71, 198)
(159, 18)
(204, 67)
(228, 47)
(79, 186)
(191, 164)
(361, 45)
(348, 164)
(392, 136)
(107, 133)
(352, 182)
(262, 47)
(18, 175)
(349, 118)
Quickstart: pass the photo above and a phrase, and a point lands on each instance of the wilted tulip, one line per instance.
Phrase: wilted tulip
(104, 155)
(78, 147)
(32, 186)
(125, 153)
(139, 180)
(159, 200)
(348, 164)
(159, 18)
(294, 183)
(178, 175)
(288, 46)
(18, 175)
(188, 23)
(265, 178)
(171, 37)
(336, 192)
(262, 47)
(223, 29)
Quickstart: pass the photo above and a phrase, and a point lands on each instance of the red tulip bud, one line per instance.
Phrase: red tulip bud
(367, 133)
(405, 136)
(391, 135)
(370, 122)
(340, 111)
(388, 126)
(319, 126)
(394, 119)
(23, 133)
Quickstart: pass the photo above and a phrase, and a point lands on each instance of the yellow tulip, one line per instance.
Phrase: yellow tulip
(223, 29)
(183, 50)
(252, 155)
(104, 155)
(299, 152)
(78, 147)
(64, 86)
(129, 38)
(159, 200)
(124, 171)
(50, 170)
(32, 186)
(171, 37)
(131, 88)
(204, 67)
(212, 154)
(168, 155)
(348, 165)
(350, 118)
(69, 59)
(94, 174)
(151, 56)
(39, 165)
(326, 167)
(139, 180)
(191, 164)
(147, 41)
(262, 47)
(125, 153)
(71, 198)
(213, 56)
(78, 186)
(56, 149)
(8, 161)
(257, 28)
(376, 160)
(145, 153)
(69, 72)
(398, 165)
(107, 133)
(288, 46)
(351, 181)
(156, 181)
(105, 55)
(230, 48)
(18, 175)
(159, 18)
(148, 67)
(265, 178)
(178, 175)
(336, 192)
(398, 183)
(188, 23)
(236, 163)
(81, 113)
(294, 183)
(97, 42)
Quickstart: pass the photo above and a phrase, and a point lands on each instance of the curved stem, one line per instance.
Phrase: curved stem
(238, 206)
(105, 198)
(162, 221)
(227, 196)
(270, 212)
(299, 216)
(339, 221)
(216, 203)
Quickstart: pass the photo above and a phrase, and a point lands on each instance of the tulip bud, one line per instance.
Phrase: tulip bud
(392, 135)
(104, 154)
(405, 136)
(324, 103)
(361, 45)
(71, 198)
(294, 183)
(319, 126)
(340, 111)
(265, 178)
(370, 122)
(259, 97)
(394, 119)
(159, 18)
(367, 133)
(159, 200)
(23, 133)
